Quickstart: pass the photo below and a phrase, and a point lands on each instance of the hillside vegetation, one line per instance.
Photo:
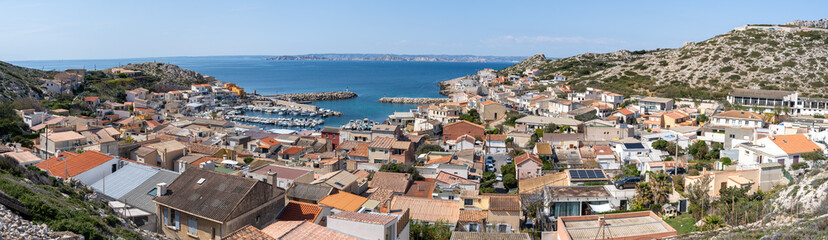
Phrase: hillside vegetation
(19, 82)
(709, 69)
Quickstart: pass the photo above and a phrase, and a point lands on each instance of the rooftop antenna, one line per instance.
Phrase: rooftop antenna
(603, 229)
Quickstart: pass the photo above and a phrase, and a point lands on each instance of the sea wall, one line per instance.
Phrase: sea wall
(319, 96)
(405, 100)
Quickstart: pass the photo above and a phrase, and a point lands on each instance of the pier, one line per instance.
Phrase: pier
(283, 122)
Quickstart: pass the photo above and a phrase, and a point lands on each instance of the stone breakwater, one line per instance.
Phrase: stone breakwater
(319, 96)
(405, 100)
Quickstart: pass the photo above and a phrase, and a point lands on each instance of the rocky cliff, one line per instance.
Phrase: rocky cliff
(19, 82)
(765, 59)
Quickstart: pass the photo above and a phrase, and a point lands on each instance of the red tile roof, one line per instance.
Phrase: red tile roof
(422, 189)
(299, 211)
(269, 141)
(302, 230)
(248, 233)
(527, 156)
(292, 150)
(73, 164)
(449, 178)
(794, 144)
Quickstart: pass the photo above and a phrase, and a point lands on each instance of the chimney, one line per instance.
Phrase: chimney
(208, 165)
(271, 177)
(161, 189)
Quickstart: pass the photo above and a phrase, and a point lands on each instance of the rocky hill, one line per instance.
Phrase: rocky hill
(169, 73)
(19, 82)
(763, 59)
(394, 57)
(822, 23)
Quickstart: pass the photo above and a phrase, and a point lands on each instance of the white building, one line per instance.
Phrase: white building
(738, 119)
(370, 226)
(782, 149)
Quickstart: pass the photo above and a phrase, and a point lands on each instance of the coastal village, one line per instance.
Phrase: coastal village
(501, 157)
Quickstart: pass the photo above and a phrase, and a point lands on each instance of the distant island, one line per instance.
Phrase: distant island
(393, 57)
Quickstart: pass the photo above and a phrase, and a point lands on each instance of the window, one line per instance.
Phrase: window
(114, 167)
(503, 228)
(468, 201)
(473, 227)
(192, 226)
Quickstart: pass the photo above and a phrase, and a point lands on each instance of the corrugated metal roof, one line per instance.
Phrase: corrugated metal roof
(140, 196)
(120, 182)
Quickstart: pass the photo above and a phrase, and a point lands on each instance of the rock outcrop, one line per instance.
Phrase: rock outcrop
(169, 72)
(822, 23)
(405, 100)
(312, 97)
(19, 82)
(13, 226)
(756, 59)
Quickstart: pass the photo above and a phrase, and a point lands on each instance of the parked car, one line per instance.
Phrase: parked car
(674, 171)
(508, 160)
(628, 182)
(490, 166)
(499, 177)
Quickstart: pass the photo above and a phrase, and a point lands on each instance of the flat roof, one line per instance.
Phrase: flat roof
(633, 225)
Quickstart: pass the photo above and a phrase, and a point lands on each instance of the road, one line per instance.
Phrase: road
(499, 161)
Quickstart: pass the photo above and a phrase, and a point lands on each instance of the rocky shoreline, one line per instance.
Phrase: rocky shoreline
(406, 100)
(318, 96)
(445, 86)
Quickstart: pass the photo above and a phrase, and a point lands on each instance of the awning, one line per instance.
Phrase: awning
(599, 208)
(231, 162)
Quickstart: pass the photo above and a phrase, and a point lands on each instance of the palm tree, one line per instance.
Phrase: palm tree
(661, 188)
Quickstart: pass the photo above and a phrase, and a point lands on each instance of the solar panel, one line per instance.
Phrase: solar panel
(586, 174)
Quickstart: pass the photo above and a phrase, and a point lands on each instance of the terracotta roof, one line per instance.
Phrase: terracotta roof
(73, 163)
(344, 201)
(477, 216)
(740, 114)
(201, 85)
(361, 150)
(504, 202)
(269, 141)
(489, 236)
(429, 210)
(602, 150)
(381, 195)
(65, 136)
(449, 178)
(543, 148)
(496, 137)
(205, 149)
(445, 159)
(292, 150)
(300, 211)
(464, 122)
(90, 99)
(397, 182)
(422, 189)
(382, 143)
(489, 102)
(338, 179)
(22, 157)
(526, 157)
(536, 184)
(370, 218)
(626, 111)
(248, 232)
(794, 144)
(361, 174)
(303, 230)
(401, 145)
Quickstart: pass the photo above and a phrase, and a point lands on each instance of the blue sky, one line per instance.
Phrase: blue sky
(47, 30)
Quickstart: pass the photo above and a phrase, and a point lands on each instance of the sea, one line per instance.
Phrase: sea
(370, 80)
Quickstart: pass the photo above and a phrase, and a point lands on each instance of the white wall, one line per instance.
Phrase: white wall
(359, 229)
(97, 173)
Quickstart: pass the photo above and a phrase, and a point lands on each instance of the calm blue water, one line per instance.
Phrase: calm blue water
(369, 80)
